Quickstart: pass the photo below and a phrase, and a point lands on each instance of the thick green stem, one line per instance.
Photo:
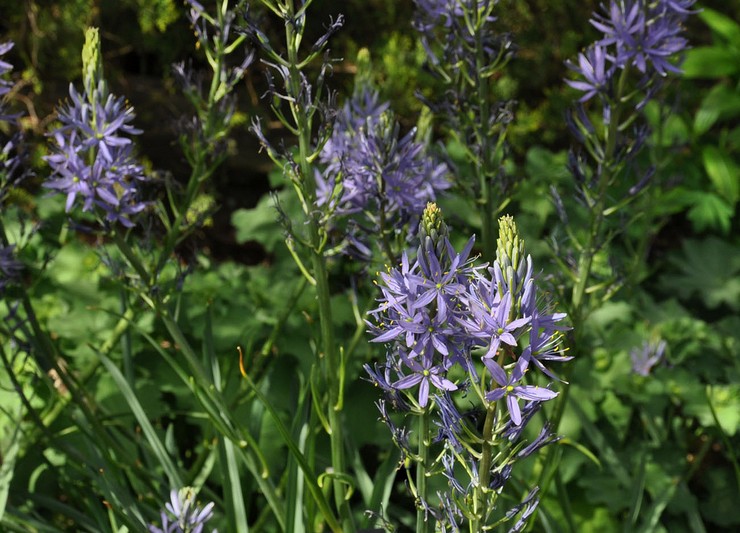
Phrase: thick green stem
(484, 471)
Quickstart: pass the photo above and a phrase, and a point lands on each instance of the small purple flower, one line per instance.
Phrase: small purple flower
(647, 356)
(424, 374)
(188, 517)
(511, 390)
(545, 437)
(490, 319)
(5, 67)
(593, 68)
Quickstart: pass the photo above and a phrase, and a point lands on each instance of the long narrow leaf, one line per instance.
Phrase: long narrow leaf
(311, 479)
(164, 459)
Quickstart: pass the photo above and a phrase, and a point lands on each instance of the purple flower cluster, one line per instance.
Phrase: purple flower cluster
(646, 35)
(438, 310)
(449, 30)
(371, 169)
(92, 157)
(12, 155)
(188, 517)
(647, 356)
(452, 327)
(5, 84)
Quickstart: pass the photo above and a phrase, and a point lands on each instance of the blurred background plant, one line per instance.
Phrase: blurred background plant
(98, 443)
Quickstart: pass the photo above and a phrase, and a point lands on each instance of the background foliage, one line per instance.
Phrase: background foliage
(659, 451)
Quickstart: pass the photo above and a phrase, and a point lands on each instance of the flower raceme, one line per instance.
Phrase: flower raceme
(450, 328)
(374, 171)
(182, 515)
(92, 155)
(435, 312)
(642, 34)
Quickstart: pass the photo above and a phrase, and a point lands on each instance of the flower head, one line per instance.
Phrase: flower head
(182, 515)
(92, 158)
(647, 356)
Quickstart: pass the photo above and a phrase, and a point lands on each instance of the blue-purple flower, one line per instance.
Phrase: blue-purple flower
(92, 158)
(647, 356)
(636, 33)
(597, 75)
(510, 388)
(424, 373)
(370, 169)
(182, 514)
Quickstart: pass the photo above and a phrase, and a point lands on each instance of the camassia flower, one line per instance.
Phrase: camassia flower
(182, 515)
(381, 178)
(455, 332)
(92, 158)
(646, 35)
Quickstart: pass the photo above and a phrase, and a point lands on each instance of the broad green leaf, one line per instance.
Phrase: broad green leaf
(709, 268)
(721, 103)
(259, 223)
(711, 62)
(709, 211)
(721, 24)
(724, 173)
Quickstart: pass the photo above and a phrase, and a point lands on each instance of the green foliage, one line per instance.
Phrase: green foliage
(144, 397)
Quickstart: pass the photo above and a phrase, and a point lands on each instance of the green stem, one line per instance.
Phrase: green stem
(480, 503)
(579, 303)
(484, 163)
(331, 364)
(422, 524)
(596, 212)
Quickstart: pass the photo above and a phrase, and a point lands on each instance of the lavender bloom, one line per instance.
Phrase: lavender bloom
(639, 38)
(92, 154)
(92, 157)
(592, 66)
(636, 33)
(380, 171)
(512, 391)
(491, 319)
(425, 373)
(188, 517)
(647, 356)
